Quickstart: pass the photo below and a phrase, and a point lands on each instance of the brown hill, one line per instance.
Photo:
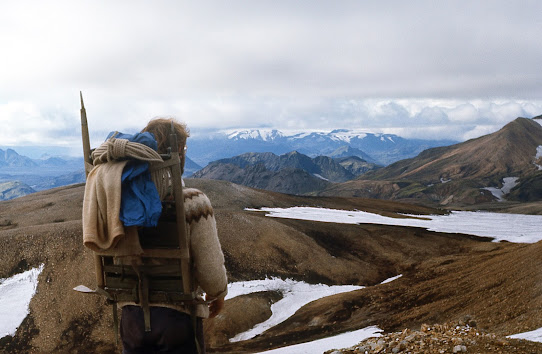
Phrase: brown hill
(496, 285)
(455, 174)
(507, 152)
(445, 275)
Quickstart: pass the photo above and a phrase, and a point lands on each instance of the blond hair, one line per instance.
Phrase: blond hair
(161, 129)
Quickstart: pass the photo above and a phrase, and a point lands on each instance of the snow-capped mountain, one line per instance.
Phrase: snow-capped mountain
(379, 148)
(259, 134)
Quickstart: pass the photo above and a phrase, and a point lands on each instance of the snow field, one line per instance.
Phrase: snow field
(507, 184)
(295, 295)
(501, 227)
(343, 340)
(533, 336)
(15, 295)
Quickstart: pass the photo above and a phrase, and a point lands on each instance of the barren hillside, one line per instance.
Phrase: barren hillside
(507, 152)
(445, 276)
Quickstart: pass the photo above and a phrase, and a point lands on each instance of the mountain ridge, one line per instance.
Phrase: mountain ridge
(518, 140)
(460, 173)
(292, 173)
(10, 158)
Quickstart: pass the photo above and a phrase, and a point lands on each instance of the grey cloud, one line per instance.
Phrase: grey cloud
(316, 64)
(372, 50)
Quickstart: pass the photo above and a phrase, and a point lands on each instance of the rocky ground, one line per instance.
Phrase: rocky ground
(453, 337)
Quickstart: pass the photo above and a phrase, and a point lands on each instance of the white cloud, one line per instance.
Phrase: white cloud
(466, 113)
(52, 125)
(25, 123)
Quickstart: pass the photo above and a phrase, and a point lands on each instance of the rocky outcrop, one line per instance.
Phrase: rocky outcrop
(453, 337)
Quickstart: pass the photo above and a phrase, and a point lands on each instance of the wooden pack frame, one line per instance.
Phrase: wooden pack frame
(150, 283)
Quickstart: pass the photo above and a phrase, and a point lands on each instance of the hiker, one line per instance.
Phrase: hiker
(172, 330)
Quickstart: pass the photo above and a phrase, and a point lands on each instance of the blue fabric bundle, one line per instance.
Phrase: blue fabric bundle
(140, 203)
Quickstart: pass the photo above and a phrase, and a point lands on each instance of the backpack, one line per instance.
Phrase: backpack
(163, 272)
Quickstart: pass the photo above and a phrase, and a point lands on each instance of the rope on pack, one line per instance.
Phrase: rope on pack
(120, 149)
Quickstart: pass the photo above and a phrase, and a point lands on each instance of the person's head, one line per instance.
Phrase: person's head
(161, 129)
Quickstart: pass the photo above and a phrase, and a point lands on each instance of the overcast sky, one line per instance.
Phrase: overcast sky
(425, 69)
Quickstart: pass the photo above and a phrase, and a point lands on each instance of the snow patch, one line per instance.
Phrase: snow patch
(389, 280)
(533, 336)
(538, 156)
(442, 180)
(300, 135)
(295, 295)
(347, 135)
(507, 185)
(15, 295)
(499, 226)
(259, 134)
(343, 340)
(320, 176)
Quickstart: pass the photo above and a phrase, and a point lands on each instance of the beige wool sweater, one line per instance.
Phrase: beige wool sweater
(102, 229)
(205, 250)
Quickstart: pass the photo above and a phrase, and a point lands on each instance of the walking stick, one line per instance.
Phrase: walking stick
(88, 167)
(86, 140)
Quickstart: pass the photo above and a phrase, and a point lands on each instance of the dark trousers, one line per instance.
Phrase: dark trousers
(171, 331)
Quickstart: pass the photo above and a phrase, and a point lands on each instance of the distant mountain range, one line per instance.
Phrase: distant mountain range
(292, 173)
(381, 149)
(503, 166)
(10, 159)
(21, 175)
